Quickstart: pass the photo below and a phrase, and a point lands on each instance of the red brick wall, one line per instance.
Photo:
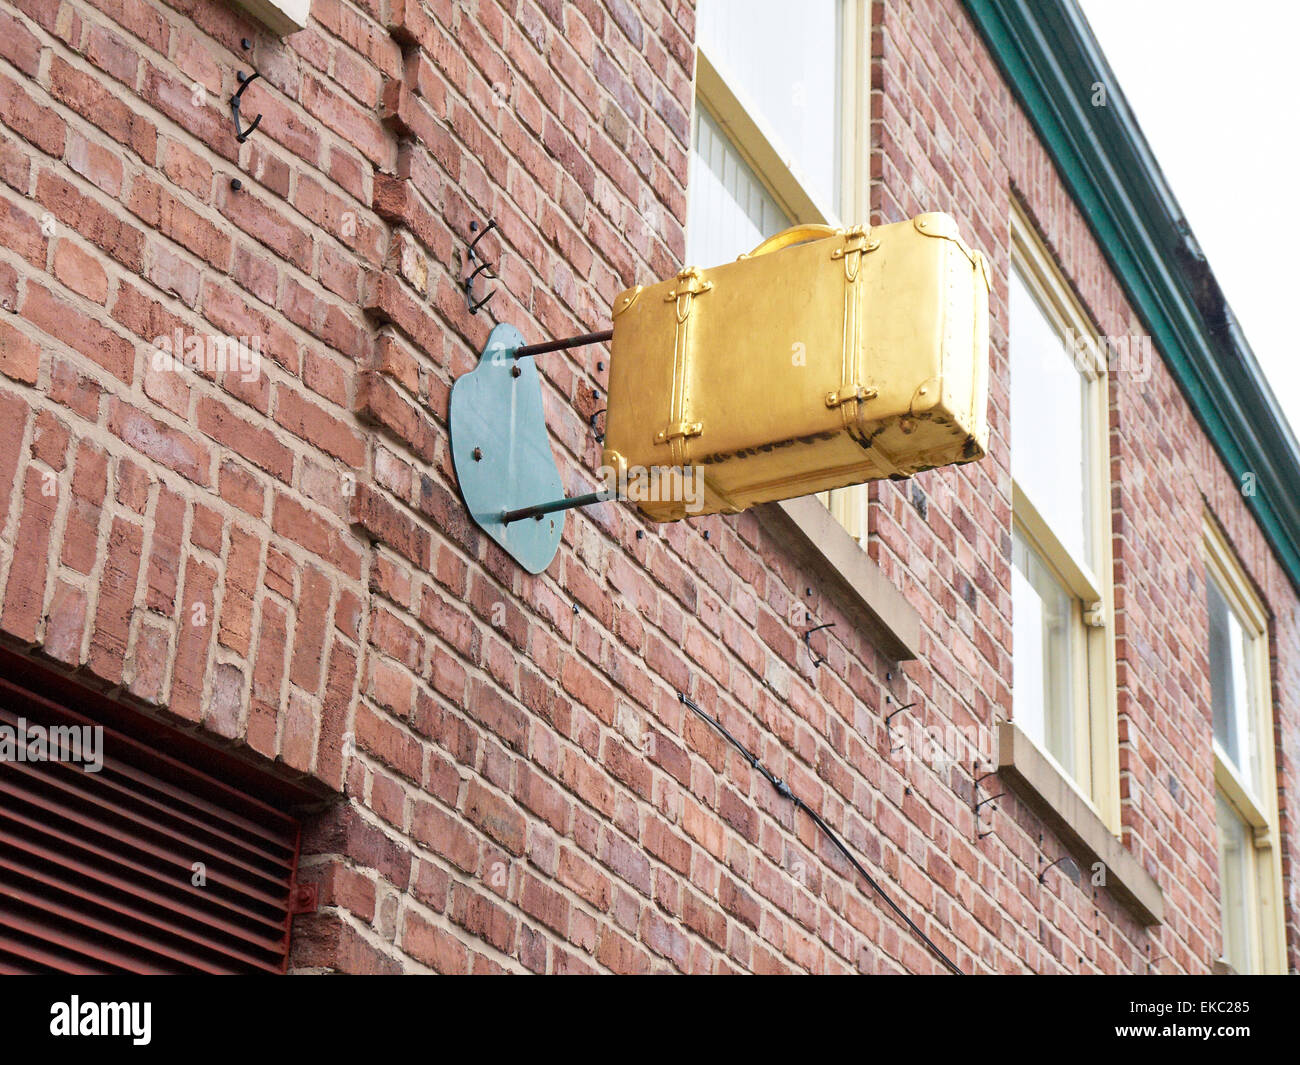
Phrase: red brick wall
(283, 563)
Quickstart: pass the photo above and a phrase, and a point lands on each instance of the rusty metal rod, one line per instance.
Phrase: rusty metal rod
(568, 502)
(568, 342)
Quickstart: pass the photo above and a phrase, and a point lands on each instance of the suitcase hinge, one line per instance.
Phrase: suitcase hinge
(690, 285)
(680, 429)
(849, 394)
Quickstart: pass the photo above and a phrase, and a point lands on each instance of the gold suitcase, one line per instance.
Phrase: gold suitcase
(823, 358)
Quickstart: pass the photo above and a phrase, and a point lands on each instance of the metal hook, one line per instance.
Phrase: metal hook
(484, 267)
(816, 661)
(890, 717)
(245, 80)
(473, 226)
(474, 308)
(1062, 858)
(600, 437)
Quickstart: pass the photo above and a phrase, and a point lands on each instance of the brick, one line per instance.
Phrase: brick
(84, 94)
(82, 333)
(97, 164)
(117, 591)
(496, 816)
(40, 126)
(80, 271)
(66, 624)
(22, 233)
(309, 632)
(163, 572)
(256, 445)
(19, 45)
(161, 210)
(85, 509)
(20, 357)
(305, 418)
(313, 532)
(159, 442)
(91, 220)
(28, 572)
(390, 525)
(193, 640)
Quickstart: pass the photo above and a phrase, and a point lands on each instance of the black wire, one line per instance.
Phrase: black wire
(783, 789)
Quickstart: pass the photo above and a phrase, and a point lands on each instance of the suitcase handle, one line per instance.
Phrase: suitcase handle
(793, 235)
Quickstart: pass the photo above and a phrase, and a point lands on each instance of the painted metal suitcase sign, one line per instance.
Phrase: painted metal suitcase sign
(823, 358)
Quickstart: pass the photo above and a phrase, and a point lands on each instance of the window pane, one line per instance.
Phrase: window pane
(1042, 612)
(1230, 694)
(782, 60)
(729, 211)
(1048, 457)
(1236, 891)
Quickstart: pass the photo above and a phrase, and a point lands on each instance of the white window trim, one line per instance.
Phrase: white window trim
(1259, 809)
(1090, 581)
(759, 146)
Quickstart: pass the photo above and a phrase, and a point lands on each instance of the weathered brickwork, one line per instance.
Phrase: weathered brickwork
(281, 561)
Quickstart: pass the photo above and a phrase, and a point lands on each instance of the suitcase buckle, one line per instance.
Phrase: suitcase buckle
(680, 429)
(850, 393)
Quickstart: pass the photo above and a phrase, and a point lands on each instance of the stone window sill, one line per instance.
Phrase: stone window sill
(1032, 776)
(281, 17)
(892, 622)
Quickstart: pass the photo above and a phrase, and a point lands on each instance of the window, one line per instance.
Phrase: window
(777, 130)
(1246, 816)
(730, 207)
(1061, 601)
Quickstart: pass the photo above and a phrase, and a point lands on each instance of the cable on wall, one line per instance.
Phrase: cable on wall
(783, 789)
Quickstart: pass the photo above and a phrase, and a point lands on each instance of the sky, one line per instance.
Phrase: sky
(1216, 89)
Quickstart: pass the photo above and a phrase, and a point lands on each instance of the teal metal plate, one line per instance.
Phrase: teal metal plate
(501, 416)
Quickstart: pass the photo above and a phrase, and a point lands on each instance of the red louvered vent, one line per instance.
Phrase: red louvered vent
(146, 866)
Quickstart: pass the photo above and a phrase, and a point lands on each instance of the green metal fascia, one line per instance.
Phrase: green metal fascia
(1052, 61)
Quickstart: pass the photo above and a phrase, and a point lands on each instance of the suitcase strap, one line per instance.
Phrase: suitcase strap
(851, 393)
(680, 428)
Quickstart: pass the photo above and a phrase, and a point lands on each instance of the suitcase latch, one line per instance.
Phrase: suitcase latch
(690, 284)
(680, 429)
(849, 394)
(856, 241)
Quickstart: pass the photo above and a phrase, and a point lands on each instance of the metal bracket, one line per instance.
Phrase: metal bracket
(501, 451)
(484, 267)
